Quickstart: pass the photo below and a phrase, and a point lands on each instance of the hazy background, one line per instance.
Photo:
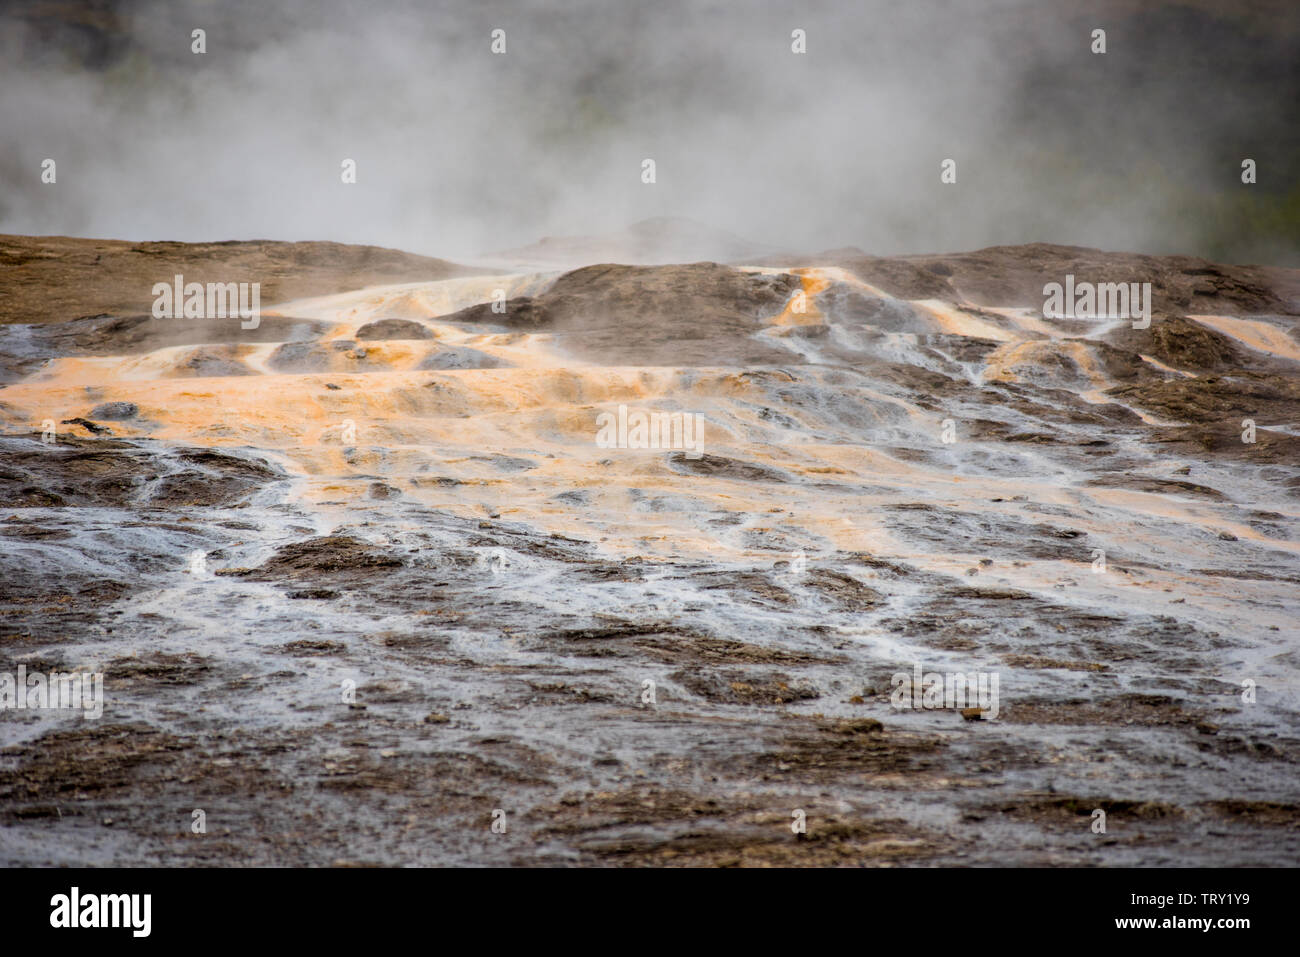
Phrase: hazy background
(460, 151)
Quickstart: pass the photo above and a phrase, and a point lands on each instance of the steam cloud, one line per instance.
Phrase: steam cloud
(460, 151)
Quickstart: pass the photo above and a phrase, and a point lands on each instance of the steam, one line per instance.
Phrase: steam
(460, 151)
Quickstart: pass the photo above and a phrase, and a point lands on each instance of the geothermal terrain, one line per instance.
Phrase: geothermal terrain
(361, 581)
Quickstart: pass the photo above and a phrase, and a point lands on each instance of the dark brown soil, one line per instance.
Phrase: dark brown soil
(56, 278)
(701, 314)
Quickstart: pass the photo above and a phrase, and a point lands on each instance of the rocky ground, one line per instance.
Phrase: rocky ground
(361, 582)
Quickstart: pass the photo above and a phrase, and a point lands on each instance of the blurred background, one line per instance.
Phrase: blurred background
(460, 151)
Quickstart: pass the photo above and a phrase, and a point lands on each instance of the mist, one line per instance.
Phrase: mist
(460, 151)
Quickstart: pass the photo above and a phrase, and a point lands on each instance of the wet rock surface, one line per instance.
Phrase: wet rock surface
(358, 606)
